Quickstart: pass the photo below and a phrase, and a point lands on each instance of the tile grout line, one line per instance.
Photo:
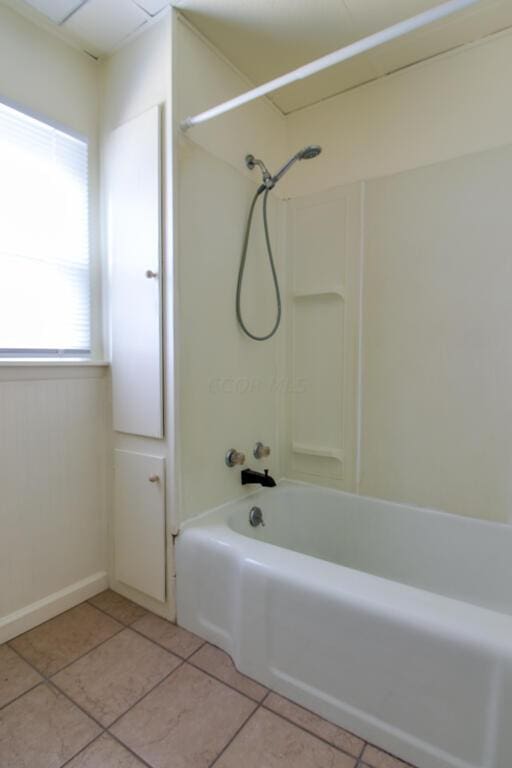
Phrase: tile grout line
(114, 738)
(106, 729)
(261, 705)
(365, 744)
(129, 749)
(166, 677)
(111, 616)
(61, 669)
(231, 740)
(175, 653)
(22, 693)
(48, 684)
(151, 640)
(184, 663)
(47, 621)
(96, 738)
(229, 685)
(316, 736)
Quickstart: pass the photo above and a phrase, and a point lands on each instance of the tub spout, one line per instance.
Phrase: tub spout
(250, 476)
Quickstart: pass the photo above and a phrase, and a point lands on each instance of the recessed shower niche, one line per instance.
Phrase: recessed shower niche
(324, 264)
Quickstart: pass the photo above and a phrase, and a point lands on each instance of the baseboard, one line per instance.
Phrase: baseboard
(32, 615)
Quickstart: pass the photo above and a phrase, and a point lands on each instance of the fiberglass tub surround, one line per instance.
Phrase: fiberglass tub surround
(392, 621)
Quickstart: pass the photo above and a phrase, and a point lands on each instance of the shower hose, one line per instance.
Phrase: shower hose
(265, 190)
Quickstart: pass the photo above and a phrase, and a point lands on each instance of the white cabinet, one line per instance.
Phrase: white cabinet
(134, 231)
(139, 522)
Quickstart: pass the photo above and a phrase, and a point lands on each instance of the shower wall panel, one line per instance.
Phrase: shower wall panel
(324, 275)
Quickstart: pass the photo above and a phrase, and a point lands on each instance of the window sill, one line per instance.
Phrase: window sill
(51, 362)
(25, 369)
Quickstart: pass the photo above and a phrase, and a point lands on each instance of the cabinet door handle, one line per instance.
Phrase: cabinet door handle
(154, 479)
(150, 273)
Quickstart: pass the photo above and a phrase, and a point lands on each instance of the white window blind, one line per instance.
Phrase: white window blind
(44, 239)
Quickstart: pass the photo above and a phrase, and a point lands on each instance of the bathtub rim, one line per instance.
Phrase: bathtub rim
(220, 511)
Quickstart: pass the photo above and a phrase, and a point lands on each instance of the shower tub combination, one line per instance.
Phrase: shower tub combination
(391, 621)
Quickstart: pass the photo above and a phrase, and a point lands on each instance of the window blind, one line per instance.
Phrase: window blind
(44, 239)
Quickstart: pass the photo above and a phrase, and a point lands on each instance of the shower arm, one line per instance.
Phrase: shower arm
(324, 62)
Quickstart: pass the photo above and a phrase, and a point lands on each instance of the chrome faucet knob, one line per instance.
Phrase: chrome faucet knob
(234, 457)
(261, 451)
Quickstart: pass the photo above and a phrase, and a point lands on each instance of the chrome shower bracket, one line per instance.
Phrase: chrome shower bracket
(251, 163)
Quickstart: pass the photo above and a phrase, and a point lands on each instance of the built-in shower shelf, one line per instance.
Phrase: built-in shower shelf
(313, 450)
(338, 292)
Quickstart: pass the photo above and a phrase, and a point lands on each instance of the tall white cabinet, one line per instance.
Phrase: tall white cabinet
(135, 249)
(135, 244)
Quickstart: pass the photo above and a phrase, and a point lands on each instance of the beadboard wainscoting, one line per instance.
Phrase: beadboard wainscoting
(53, 477)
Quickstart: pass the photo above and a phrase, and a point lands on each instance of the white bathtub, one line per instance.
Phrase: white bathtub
(392, 621)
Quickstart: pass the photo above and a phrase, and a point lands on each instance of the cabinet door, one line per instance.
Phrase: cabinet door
(134, 229)
(139, 528)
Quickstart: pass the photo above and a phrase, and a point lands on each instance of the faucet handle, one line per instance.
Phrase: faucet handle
(261, 451)
(234, 457)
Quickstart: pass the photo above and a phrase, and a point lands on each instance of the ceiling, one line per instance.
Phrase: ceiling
(97, 26)
(266, 38)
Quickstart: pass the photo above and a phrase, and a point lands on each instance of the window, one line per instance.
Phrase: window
(44, 240)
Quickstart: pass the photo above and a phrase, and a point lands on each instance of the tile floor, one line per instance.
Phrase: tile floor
(109, 685)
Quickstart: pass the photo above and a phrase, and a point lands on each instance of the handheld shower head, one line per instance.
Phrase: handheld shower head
(308, 153)
(313, 150)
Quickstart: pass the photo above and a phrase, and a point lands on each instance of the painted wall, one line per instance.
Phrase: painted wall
(434, 418)
(54, 419)
(229, 385)
(448, 106)
(203, 78)
(135, 78)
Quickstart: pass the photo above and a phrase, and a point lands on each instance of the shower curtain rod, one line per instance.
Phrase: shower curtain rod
(348, 52)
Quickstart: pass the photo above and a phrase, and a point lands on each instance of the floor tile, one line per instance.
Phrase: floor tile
(105, 752)
(169, 635)
(52, 645)
(374, 758)
(110, 679)
(118, 607)
(219, 664)
(43, 729)
(315, 724)
(268, 740)
(16, 676)
(186, 721)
